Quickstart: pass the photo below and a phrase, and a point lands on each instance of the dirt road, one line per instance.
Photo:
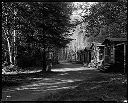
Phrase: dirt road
(66, 76)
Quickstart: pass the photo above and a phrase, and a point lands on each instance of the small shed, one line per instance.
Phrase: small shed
(87, 55)
(80, 56)
(84, 55)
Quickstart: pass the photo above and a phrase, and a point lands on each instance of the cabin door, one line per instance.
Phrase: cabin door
(119, 55)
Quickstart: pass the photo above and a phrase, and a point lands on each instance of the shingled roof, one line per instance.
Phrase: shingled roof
(115, 40)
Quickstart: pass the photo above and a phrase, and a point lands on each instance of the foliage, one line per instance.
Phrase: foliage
(38, 25)
(47, 20)
(108, 19)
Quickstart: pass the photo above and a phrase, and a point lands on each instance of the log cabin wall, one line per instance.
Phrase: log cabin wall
(115, 52)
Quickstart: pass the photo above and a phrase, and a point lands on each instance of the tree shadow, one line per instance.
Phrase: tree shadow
(20, 79)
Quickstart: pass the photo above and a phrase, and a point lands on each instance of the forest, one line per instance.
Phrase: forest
(30, 29)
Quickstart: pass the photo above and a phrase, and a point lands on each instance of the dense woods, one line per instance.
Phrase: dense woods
(29, 29)
(107, 19)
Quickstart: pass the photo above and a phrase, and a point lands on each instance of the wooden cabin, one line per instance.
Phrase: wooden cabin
(115, 51)
(87, 55)
(80, 56)
(97, 52)
(84, 56)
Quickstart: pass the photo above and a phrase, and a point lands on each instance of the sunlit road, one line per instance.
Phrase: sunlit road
(68, 76)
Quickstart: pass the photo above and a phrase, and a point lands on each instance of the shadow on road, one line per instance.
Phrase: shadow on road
(67, 65)
(20, 79)
(77, 83)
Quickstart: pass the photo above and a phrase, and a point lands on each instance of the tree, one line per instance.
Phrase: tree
(8, 29)
(50, 24)
(11, 29)
(108, 19)
(39, 25)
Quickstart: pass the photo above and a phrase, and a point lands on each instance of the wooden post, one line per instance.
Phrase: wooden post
(104, 53)
(87, 56)
(98, 59)
(113, 53)
(124, 57)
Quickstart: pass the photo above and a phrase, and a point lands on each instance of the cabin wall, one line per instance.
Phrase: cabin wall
(84, 56)
(115, 53)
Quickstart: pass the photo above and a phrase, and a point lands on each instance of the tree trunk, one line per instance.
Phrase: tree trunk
(15, 51)
(9, 51)
(44, 61)
(14, 57)
(9, 46)
(44, 58)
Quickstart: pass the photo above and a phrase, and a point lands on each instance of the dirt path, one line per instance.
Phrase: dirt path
(69, 76)
(41, 85)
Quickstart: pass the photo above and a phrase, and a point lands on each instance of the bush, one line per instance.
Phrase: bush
(29, 61)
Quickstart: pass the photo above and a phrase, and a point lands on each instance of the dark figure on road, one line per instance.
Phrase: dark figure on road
(49, 65)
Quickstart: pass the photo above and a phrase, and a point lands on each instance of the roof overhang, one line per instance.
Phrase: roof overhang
(114, 40)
